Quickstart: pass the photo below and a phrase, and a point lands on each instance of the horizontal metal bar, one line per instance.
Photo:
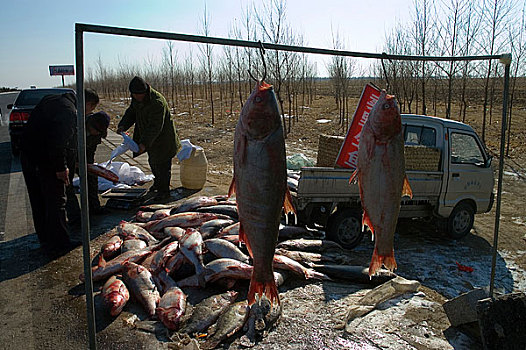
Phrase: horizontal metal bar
(244, 43)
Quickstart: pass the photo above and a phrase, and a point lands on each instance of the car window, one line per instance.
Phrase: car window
(465, 149)
(419, 135)
(33, 97)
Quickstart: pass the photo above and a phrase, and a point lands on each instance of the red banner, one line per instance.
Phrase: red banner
(348, 155)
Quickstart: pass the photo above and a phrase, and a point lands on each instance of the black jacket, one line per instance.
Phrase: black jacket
(49, 134)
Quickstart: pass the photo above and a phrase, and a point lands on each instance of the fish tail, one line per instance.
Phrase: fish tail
(378, 260)
(406, 190)
(267, 288)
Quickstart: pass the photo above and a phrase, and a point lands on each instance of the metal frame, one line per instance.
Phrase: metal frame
(81, 28)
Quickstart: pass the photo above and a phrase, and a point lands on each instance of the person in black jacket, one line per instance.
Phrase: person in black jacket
(96, 129)
(49, 136)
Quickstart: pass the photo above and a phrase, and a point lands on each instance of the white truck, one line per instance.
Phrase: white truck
(448, 169)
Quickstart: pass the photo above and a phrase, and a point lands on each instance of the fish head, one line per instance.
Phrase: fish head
(260, 115)
(385, 118)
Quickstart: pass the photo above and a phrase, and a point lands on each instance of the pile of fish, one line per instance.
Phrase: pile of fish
(172, 250)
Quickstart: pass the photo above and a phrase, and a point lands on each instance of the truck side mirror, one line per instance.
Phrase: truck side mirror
(10, 106)
(488, 161)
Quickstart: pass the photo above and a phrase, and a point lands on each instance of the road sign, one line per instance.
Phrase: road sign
(348, 155)
(62, 70)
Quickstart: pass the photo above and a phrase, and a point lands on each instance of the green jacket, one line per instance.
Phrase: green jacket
(154, 126)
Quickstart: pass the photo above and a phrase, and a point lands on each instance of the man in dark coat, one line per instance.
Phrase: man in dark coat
(96, 129)
(48, 137)
(154, 132)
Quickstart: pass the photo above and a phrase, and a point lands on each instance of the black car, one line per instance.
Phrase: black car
(21, 109)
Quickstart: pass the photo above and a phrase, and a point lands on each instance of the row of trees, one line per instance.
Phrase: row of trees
(437, 28)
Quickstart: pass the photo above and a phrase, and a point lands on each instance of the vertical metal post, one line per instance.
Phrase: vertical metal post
(81, 134)
(506, 60)
(63, 81)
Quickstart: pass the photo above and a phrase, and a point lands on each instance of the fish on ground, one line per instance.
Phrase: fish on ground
(284, 263)
(211, 228)
(115, 294)
(130, 231)
(191, 245)
(133, 244)
(224, 249)
(111, 247)
(207, 311)
(381, 177)
(259, 153)
(311, 245)
(172, 307)
(142, 286)
(228, 323)
(184, 220)
(193, 203)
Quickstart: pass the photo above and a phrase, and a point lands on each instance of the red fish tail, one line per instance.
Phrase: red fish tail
(378, 260)
(267, 288)
(353, 176)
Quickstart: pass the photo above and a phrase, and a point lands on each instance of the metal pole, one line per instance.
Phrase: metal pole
(81, 134)
(506, 60)
(63, 81)
(270, 46)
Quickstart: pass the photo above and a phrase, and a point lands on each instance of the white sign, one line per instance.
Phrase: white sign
(62, 70)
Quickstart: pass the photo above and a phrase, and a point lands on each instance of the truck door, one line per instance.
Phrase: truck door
(470, 176)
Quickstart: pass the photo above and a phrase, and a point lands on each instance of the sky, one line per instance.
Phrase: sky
(36, 34)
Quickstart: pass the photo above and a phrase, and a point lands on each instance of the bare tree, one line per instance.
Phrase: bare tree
(206, 50)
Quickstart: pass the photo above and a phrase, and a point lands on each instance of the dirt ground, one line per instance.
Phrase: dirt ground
(312, 311)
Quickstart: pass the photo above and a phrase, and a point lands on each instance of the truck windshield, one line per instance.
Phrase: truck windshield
(465, 149)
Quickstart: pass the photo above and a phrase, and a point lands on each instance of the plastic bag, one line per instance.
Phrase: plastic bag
(128, 176)
(298, 161)
(186, 150)
(127, 144)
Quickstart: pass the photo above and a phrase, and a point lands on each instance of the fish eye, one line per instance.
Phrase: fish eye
(386, 106)
(257, 99)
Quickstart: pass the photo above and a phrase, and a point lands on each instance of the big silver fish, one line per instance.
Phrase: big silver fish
(381, 177)
(260, 184)
(142, 285)
(115, 294)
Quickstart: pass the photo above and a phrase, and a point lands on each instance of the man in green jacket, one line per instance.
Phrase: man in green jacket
(154, 132)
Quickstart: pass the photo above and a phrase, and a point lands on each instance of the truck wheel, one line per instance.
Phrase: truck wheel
(460, 222)
(345, 228)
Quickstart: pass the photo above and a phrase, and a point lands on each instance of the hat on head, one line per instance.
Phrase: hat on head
(138, 85)
(100, 122)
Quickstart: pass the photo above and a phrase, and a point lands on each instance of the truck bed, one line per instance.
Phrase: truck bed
(331, 185)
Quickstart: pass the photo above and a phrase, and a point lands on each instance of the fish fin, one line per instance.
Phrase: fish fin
(101, 262)
(406, 190)
(243, 238)
(378, 260)
(267, 288)
(287, 203)
(232, 188)
(353, 176)
(366, 220)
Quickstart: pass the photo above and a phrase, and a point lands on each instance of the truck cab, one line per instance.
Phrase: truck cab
(448, 169)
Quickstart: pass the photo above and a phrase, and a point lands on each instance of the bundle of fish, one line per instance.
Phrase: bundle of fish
(170, 250)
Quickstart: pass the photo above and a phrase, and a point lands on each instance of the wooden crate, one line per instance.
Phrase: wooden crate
(328, 149)
(422, 158)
